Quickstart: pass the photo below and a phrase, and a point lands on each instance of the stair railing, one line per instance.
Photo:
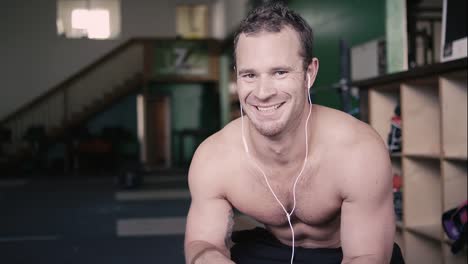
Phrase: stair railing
(58, 106)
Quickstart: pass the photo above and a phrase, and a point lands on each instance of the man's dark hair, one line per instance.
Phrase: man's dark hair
(273, 18)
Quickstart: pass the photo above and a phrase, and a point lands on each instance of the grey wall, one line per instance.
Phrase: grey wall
(33, 58)
(236, 10)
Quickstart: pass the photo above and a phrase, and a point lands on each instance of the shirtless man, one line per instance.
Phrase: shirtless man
(343, 196)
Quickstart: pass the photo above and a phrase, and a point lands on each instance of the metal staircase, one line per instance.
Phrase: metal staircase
(78, 98)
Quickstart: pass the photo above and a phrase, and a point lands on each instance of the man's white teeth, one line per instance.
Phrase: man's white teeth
(270, 108)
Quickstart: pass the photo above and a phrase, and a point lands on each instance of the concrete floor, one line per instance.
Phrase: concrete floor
(91, 220)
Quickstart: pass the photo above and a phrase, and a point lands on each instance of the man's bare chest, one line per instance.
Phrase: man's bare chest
(318, 202)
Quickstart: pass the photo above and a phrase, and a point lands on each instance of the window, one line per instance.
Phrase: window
(192, 21)
(93, 19)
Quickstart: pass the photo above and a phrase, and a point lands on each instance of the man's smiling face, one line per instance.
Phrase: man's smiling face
(271, 79)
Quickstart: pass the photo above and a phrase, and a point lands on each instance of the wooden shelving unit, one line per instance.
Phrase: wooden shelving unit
(433, 162)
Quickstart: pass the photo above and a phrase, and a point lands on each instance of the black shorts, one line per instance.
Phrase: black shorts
(258, 246)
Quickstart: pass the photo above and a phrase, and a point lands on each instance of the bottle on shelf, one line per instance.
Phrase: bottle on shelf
(398, 197)
(394, 137)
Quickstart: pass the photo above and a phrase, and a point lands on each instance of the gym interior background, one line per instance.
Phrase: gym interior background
(102, 104)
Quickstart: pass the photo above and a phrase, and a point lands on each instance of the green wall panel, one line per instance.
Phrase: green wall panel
(193, 107)
(355, 21)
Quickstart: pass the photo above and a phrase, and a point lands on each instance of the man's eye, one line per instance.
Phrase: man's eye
(248, 75)
(280, 73)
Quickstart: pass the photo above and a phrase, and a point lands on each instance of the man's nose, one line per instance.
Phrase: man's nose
(265, 88)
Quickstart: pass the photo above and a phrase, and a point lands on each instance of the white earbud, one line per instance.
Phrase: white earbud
(246, 147)
(308, 88)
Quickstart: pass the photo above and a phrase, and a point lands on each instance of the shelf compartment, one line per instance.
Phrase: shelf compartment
(430, 231)
(422, 193)
(382, 103)
(449, 258)
(454, 114)
(420, 109)
(421, 250)
(454, 183)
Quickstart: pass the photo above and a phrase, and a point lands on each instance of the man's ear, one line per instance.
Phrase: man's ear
(312, 70)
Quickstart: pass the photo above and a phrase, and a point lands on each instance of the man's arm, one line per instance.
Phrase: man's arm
(210, 218)
(367, 214)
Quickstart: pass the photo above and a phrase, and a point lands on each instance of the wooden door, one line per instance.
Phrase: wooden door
(159, 119)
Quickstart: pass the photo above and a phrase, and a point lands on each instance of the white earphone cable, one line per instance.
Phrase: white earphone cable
(288, 215)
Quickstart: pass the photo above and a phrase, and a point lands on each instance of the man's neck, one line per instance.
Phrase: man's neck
(287, 147)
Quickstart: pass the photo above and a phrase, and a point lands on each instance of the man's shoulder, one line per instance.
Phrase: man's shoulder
(345, 130)
(359, 154)
(353, 142)
(219, 149)
(214, 161)
(222, 142)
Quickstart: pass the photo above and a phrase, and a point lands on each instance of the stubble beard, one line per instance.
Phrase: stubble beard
(270, 129)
